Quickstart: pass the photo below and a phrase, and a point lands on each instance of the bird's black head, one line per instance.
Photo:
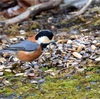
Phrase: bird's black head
(44, 37)
(44, 33)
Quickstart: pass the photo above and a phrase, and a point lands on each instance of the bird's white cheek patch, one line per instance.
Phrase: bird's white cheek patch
(43, 39)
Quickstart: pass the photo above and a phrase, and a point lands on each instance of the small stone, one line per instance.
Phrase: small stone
(72, 37)
(82, 52)
(98, 71)
(60, 46)
(1, 85)
(88, 87)
(79, 49)
(87, 43)
(52, 27)
(89, 50)
(78, 87)
(69, 42)
(51, 72)
(74, 64)
(2, 67)
(62, 41)
(50, 19)
(98, 44)
(60, 61)
(80, 41)
(1, 73)
(6, 55)
(67, 56)
(8, 70)
(19, 74)
(22, 32)
(77, 55)
(13, 39)
(97, 59)
(4, 41)
(79, 69)
(6, 82)
(33, 82)
(74, 31)
(8, 67)
(41, 81)
(2, 60)
(94, 42)
(31, 75)
(86, 55)
(69, 46)
(67, 75)
(93, 57)
(93, 83)
(93, 47)
(15, 59)
(84, 30)
(97, 52)
(21, 38)
(87, 76)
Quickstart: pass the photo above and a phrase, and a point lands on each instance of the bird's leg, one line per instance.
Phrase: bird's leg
(28, 65)
(32, 65)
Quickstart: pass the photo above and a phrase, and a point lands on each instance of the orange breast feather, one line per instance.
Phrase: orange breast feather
(29, 56)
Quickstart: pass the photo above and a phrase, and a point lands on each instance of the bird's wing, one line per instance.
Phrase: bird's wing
(25, 45)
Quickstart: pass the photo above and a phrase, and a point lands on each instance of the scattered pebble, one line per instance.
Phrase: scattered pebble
(2, 67)
(88, 87)
(13, 39)
(93, 83)
(51, 72)
(6, 82)
(93, 47)
(50, 19)
(31, 75)
(97, 59)
(1, 73)
(22, 32)
(80, 47)
(77, 55)
(33, 82)
(2, 60)
(94, 42)
(76, 51)
(19, 74)
(41, 81)
(8, 70)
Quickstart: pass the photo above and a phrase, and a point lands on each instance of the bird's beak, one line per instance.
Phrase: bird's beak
(53, 42)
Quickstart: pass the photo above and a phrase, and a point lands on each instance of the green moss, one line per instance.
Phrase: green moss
(12, 29)
(97, 22)
(78, 86)
(8, 73)
(56, 88)
(6, 91)
(63, 22)
(34, 26)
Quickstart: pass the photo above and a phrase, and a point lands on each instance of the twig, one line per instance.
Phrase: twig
(32, 10)
(82, 10)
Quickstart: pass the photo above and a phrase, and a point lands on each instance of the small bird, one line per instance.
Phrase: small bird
(31, 48)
